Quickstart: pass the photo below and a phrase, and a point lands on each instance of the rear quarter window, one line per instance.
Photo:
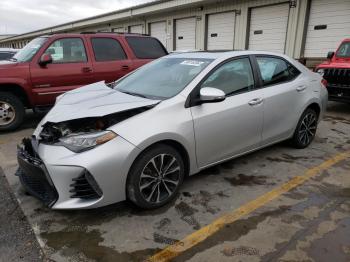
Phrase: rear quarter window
(146, 47)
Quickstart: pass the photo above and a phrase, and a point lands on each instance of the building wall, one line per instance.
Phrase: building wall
(169, 11)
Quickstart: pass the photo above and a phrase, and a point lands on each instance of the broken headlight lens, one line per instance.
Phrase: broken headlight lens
(82, 142)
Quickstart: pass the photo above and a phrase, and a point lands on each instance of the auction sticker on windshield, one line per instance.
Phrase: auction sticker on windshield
(192, 62)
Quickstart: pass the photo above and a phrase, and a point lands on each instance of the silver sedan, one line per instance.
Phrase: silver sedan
(138, 138)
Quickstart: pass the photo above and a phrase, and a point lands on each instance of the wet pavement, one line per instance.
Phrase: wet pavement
(309, 223)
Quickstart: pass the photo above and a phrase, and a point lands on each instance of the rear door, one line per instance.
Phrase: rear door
(285, 94)
(70, 69)
(233, 126)
(110, 60)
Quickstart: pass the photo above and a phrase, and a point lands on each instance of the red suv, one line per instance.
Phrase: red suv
(336, 70)
(51, 65)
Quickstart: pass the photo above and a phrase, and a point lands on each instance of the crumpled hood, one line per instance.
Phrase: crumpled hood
(93, 101)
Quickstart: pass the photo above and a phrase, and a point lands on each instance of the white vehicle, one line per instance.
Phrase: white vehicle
(172, 117)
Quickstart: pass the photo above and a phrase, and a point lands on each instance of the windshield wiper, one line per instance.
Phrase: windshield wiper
(133, 94)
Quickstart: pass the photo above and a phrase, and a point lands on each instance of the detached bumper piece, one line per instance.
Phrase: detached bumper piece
(338, 84)
(33, 175)
(85, 187)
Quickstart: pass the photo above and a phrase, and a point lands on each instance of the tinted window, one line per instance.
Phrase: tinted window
(275, 70)
(4, 56)
(233, 77)
(146, 47)
(107, 49)
(67, 50)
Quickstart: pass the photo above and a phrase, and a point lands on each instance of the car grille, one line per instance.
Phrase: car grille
(337, 77)
(33, 175)
(85, 187)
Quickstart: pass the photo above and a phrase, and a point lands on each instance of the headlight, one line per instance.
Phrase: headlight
(79, 143)
(320, 71)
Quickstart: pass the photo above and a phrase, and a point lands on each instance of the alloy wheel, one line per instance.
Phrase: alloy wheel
(307, 129)
(7, 113)
(160, 178)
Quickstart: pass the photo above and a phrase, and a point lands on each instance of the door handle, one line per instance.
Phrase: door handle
(256, 101)
(86, 69)
(301, 88)
(125, 67)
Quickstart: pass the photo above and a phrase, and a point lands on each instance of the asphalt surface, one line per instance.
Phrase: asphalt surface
(17, 239)
(310, 222)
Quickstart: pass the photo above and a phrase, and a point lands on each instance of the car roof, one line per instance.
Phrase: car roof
(97, 34)
(220, 54)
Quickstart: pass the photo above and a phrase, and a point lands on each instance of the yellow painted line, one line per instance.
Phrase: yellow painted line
(200, 235)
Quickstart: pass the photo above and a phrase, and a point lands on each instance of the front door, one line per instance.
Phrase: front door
(233, 126)
(69, 69)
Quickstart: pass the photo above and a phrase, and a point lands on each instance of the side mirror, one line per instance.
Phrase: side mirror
(330, 55)
(45, 59)
(211, 95)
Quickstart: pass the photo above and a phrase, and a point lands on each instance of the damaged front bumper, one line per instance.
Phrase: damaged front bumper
(63, 179)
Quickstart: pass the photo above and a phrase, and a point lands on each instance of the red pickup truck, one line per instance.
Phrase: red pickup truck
(51, 65)
(336, 70)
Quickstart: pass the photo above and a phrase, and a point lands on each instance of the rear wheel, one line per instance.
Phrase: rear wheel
(306, 129)
(11, 111)
(155, 177)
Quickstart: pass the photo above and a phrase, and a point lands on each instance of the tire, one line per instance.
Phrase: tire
(306, 129)
(11, 111)
(149, 189)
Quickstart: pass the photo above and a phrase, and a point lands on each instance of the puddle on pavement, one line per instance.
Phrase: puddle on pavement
(334, 245)
(231, 232)
(203, 199)
(246, 180)
(240, 251)
(87, 244)
(187, 214)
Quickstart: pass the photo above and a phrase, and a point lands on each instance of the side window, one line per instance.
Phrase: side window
(146, 47)
(275, 70)
(67, 50)
(107, 49)
(233, 77)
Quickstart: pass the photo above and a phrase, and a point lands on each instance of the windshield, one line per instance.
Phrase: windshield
(163, 78)
(344, 50)
(26, 53)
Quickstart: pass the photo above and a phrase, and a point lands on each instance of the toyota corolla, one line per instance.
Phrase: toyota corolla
(138, 138)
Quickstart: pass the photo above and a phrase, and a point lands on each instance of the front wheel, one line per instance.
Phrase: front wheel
(155, 177)
(11, 111)
(306, 129)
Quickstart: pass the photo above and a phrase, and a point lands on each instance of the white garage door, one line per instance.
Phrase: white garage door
(158, 30)
(118, 29)
(268, 28)
(329, 24)
(185, 34)
(221, 30)
(137, 29)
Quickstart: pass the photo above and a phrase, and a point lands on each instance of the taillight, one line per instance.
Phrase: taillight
(324, 82)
